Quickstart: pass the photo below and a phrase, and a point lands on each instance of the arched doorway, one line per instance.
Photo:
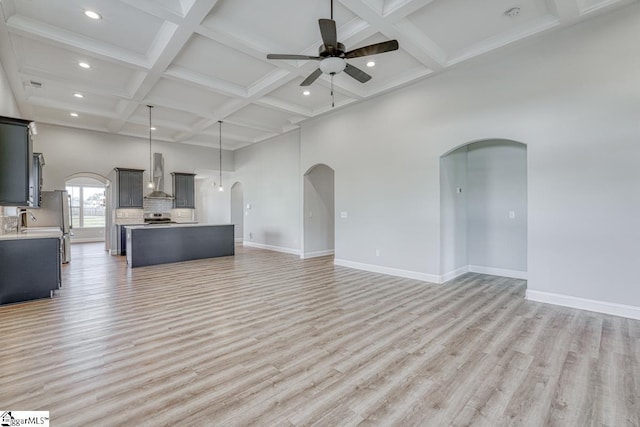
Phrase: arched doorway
(87, 206)
(483, 209)
(319, 212)
(237, 210)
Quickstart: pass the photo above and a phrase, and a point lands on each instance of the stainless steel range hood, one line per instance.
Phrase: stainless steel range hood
(158, 195)
(158, 180)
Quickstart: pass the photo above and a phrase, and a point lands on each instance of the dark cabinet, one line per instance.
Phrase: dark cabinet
(15, 162)
(183, 190)
(21, 279)
(129, 187)
(35, 181)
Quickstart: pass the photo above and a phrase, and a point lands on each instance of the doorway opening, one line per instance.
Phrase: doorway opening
(237, 211)
(319, 212)
(87, 196)
(483, 209)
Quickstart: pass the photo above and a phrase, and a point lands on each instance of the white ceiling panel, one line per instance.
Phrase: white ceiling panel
(62, 117)
(186, 97)
(55, 63)
(283, 25)
(387, 65)
(261, 118)
(319, 95)
(210, 58)
(200, 61)
(119, 21)
(163, 117)
(141, 131)
(456, 24)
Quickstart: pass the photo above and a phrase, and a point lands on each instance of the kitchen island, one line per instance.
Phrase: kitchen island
(30, 264)
(161, 244)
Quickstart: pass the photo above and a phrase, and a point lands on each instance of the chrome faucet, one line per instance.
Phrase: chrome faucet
(20, 213)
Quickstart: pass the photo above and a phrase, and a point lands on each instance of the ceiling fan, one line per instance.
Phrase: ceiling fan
(333, 55)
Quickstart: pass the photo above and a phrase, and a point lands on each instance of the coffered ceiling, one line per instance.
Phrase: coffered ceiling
(201, 61)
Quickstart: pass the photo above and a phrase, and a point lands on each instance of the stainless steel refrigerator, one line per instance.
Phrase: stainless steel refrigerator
(54, 212)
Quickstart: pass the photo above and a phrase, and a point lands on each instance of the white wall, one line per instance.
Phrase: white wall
(497, 185)
(212, 205)
(319, 211)
(569, 97)
(453, 205)
(8, 105)
(272, 185)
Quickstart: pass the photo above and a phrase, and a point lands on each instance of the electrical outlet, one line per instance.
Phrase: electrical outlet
(512, 214)
(344, 214)
(250, 236)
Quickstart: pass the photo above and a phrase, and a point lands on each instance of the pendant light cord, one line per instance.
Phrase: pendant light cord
(150, 156)
(333, 104)
(332, 10)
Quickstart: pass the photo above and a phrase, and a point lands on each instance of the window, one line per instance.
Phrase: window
(87, 205)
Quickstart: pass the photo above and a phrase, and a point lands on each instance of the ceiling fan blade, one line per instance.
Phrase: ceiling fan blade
(285, 56)
(329, 34)
(357, 73)
(373, 49)
(312, 77)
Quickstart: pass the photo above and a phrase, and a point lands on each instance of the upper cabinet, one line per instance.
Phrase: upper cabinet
(183, 190)
(16, 160)
(129, 187)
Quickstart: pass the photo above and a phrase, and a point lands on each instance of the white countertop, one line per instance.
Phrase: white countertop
(178, 225)
(33, 233)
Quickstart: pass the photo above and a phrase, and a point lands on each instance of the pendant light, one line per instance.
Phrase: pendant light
(150, 184)
(221, 188)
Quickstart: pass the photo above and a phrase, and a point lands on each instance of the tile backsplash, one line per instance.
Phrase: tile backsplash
(8, 220)
(157, 205)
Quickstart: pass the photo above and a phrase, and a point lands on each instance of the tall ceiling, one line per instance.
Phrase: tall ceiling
(201, 61)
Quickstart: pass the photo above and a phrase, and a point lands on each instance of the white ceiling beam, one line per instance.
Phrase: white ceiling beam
(567, 11)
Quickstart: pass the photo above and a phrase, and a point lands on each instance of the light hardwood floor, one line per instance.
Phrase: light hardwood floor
(265, 338)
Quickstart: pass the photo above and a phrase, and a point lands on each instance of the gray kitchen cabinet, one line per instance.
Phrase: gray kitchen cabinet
(23, 279)
(183, 190)
(129, 187)
(15, 162)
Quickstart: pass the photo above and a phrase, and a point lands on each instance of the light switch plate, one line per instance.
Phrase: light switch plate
(344, 214)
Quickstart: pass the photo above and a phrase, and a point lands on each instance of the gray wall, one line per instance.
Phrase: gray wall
(237, 209)
(566, 96)
(272, 185)
(319, 210)
(68, 151)
(497, 185)
(453, 205)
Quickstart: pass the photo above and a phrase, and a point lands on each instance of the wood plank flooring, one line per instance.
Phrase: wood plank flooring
(265, 338)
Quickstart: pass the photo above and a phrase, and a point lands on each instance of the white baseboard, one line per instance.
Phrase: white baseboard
(239, 239)
(271, 248)
(316, 254)
(432, 278)
(621, 310)
(453, 274)
(514, 274)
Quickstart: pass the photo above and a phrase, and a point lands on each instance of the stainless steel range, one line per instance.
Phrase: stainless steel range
(158, 218)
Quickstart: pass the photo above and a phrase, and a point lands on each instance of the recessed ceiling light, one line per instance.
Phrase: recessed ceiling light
(371, 64)
(306, 93)
(78, 95)
(84, 65)
(152, 128)
(93, 15)
(73, 114)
